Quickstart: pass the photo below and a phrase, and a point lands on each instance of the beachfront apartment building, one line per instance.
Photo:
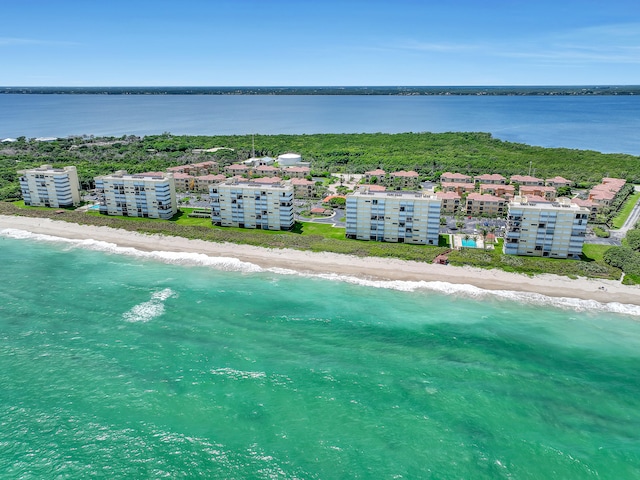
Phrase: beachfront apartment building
(149, 194)
(402, 217)
(545, 229)
(250, 204)
(47, 186)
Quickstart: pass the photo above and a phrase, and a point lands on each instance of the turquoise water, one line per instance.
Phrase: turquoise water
(469, 243)
(126, 367)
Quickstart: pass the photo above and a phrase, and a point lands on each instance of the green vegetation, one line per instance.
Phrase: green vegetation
(594, 252)
(627, 256)
(601, 232)
(588, 267)
(326, 238)
(305, 236)
(625, 210)
(430, 154)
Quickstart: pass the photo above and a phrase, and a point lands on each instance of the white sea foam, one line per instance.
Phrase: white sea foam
(147, 311)
(473, 292)
(175, 258)
(233, 264)
(237, 374)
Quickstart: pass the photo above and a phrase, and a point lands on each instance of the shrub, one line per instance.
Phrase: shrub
(601, 232)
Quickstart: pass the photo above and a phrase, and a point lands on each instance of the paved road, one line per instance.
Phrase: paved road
(633, 218)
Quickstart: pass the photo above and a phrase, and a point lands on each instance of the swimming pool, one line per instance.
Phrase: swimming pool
(469, 243)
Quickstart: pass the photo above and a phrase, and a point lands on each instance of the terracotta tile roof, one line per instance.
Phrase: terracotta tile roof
(490, 176)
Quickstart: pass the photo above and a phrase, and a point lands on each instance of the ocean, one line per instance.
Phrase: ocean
(120, 364)
(606, 123)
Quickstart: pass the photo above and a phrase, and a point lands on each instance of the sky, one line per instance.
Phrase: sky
(319, 42)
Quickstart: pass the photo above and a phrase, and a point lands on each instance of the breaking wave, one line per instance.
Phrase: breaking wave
(233, 264)
(147, 311)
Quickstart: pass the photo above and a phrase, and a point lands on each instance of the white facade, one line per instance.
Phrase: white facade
(50, 187)
(288, 159)
(404, 217)
(545, 229)
(151, 195)
(252, 205)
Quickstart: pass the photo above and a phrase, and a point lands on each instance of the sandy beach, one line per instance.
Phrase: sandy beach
(372, 268)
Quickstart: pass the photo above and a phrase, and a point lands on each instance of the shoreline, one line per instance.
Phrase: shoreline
(323, 263)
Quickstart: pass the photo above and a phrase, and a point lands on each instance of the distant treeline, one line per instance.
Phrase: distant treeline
(429, 154)
(364, 90)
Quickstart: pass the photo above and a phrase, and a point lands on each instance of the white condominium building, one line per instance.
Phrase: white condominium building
(545, 229)
(404, 217)
(50, 187)
(151, 194)
(246, 204)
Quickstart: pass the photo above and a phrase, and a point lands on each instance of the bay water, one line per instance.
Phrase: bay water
(116, 364)
(606, 123)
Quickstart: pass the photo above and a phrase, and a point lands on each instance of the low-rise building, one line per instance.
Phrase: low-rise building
(589, 205)
(450, 202)
(540, 191)
(236, 169)
(549, 229)
(459, 188)
(296, 172)
(403, 217)
(203, 182)
(150, 194)
(266, 170)
(558, 182)
(201, 168)
(526, 180)
(303, 188)
(479, 204)
(47, 186)
(605, 192)
(498, 190)
(449, 177)
(247, 204)
(184, 182)
(378, 176)
(491, 179)
(404, 179)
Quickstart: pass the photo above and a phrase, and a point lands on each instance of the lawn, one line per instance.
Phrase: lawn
(594, 252)
(626, 209)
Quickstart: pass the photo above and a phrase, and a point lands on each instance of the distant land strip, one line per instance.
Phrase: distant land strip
(441, 90)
